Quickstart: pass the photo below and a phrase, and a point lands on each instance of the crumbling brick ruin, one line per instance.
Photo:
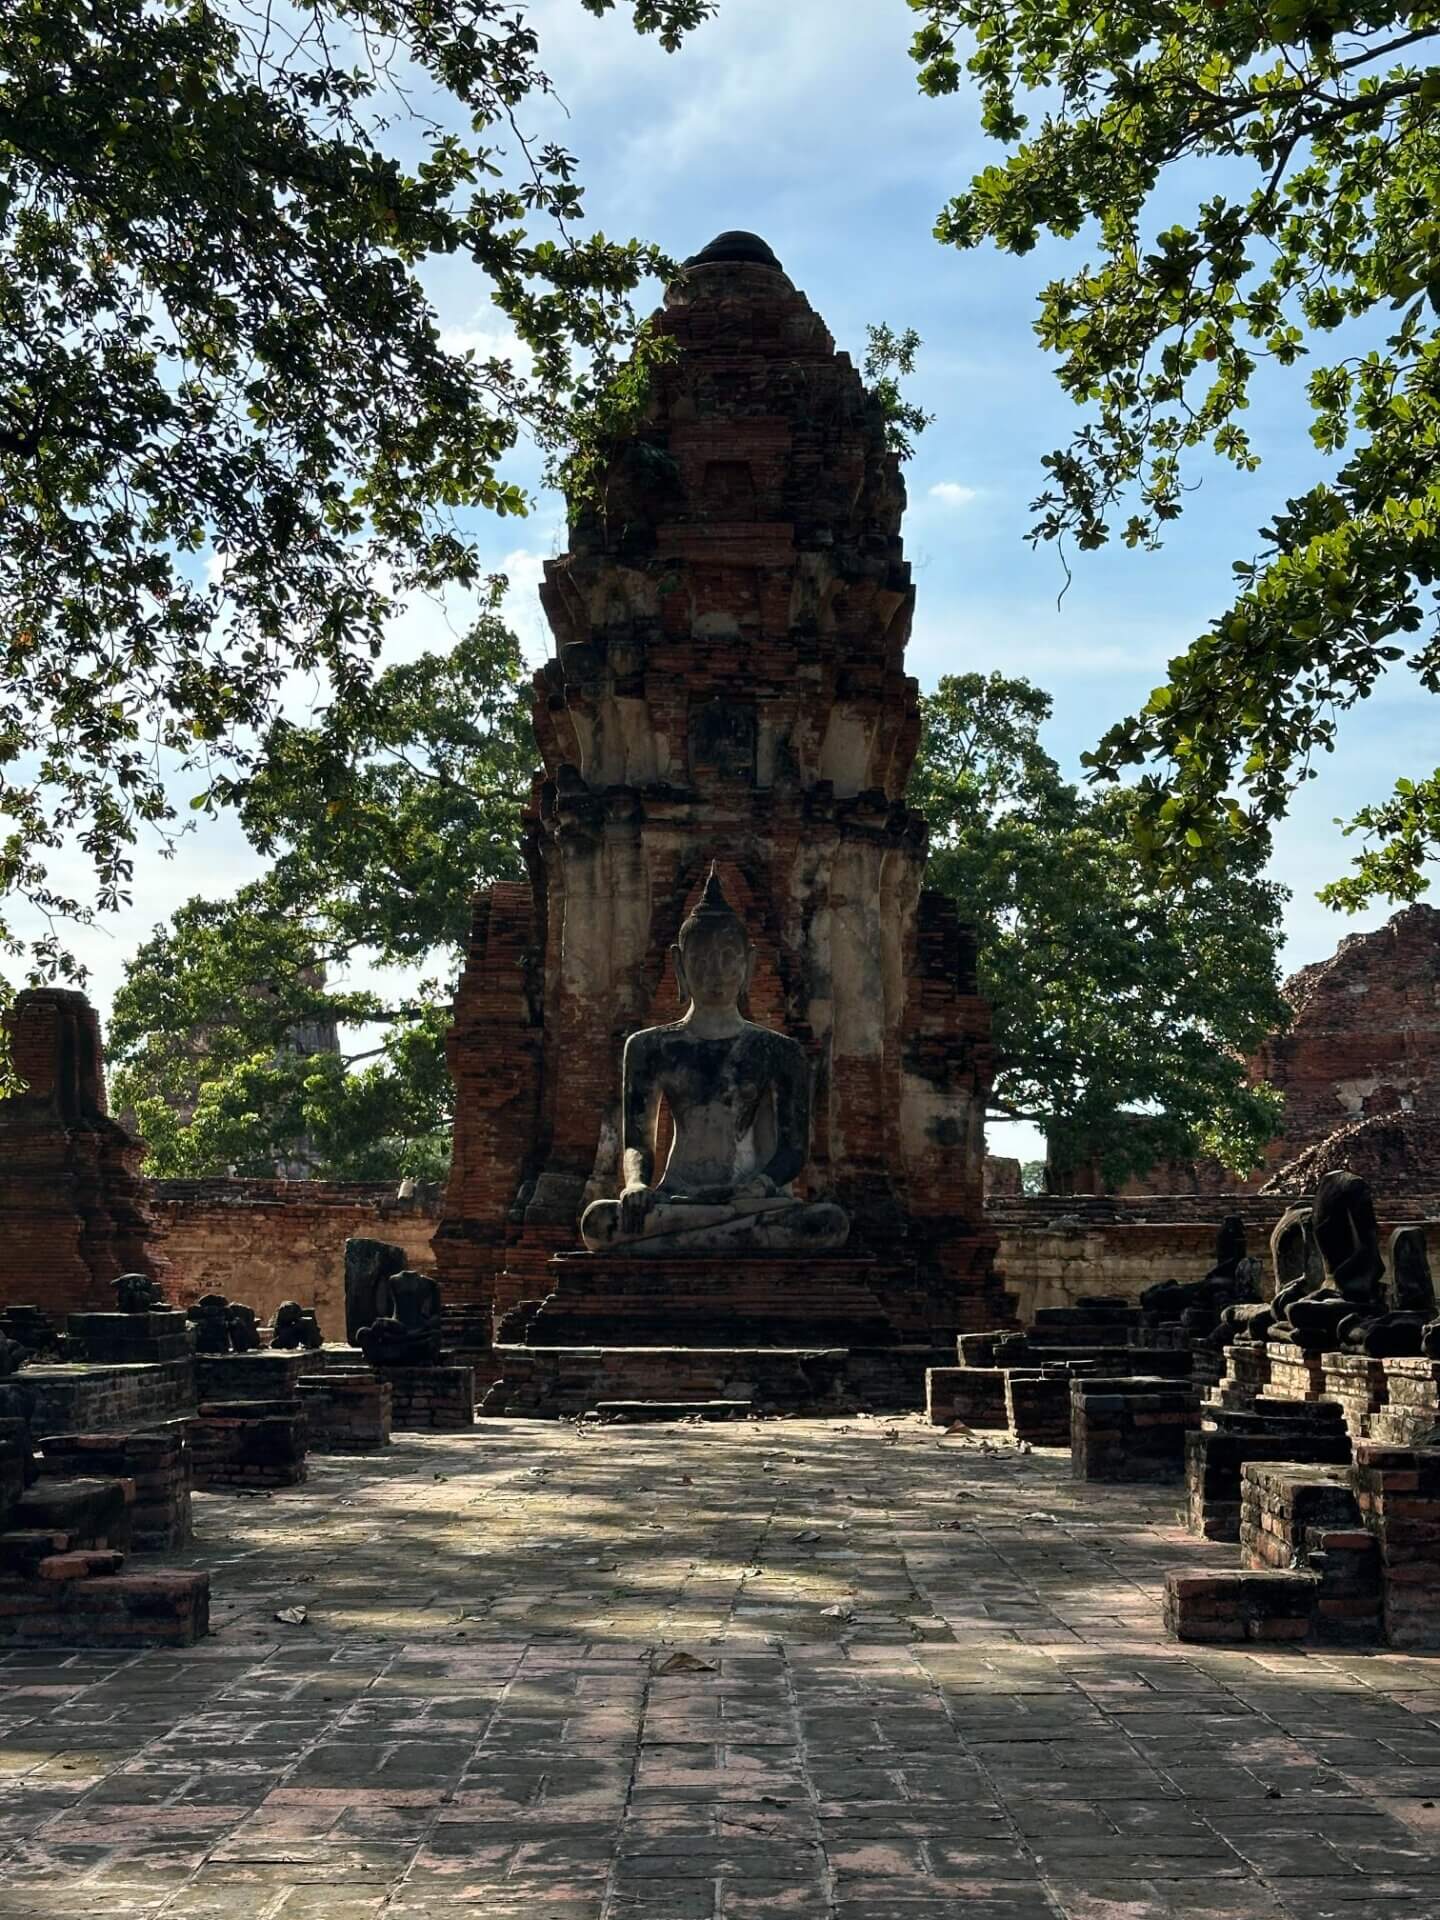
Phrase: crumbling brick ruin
(73, 1211)
(729, 684)
(1364, 1041)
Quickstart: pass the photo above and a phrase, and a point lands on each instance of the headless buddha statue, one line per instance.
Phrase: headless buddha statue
(739, 1097)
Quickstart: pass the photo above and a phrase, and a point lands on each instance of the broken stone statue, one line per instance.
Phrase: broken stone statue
(296, 1326)
(739, 1097)
(367, 1263)
(1347, 1235)
(407, 1330)
(136, 1293)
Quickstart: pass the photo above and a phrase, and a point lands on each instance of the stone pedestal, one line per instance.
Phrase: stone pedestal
(1306, 1518)
(570, 1381)
(266, 1374)
(1410, 1416)
(346, 1412)
(1037, 1406)
(430, 1399)
(1399, 1494)
(63, 1574)
(107, 1339)
(1358, 1384)
(735, 1301)
(84, 1399)
(975, 1396)
(158, 1465)
(1294, 1373)
(1215, 1460)
(248, 1443)
(1235, 1607)
(1246, 1374)
(1130, 1429)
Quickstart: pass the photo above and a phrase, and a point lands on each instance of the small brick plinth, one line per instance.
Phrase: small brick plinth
(1411, 1414)
(74, 1599)
(333, 1357)
(1037, 1406)
(1247, 1373)
(1236, 1605)
(110, 1338)
(346, 1412)
(270, 1373)
(1294, 1373)
(110, 1399)
(1130, 1429)
(158, 1465)
(1282, 1501)
(1358, 1384)
(248, 1443)
(1214, 1460)
(1307, 1519)
(1399, 1497)
(975, 1396)
(978, 1349)
(430, 1399)
(1098, 1322)
(88, 1513)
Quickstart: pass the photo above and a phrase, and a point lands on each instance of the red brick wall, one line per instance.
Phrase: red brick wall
(264, 1241)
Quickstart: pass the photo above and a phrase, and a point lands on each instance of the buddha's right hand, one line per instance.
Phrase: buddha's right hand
(635, 1204)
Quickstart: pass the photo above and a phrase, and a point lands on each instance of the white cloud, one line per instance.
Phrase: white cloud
(525, 568)
(492, 341)
(952, 493)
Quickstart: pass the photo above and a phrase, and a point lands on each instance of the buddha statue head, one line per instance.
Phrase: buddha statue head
(712, 952)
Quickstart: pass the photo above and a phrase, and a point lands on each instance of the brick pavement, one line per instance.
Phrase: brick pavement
(711, 1673)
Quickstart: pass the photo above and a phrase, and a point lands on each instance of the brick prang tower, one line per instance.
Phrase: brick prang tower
(729, 684)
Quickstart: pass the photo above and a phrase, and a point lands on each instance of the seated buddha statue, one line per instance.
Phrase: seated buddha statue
(1348, 1238)
(739, 1098)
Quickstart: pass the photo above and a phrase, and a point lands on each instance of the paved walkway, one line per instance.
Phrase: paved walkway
(842, 1672)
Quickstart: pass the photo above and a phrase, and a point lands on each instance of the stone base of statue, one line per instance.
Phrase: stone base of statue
(156, 1335)
(710, 1300)
(777, 1332)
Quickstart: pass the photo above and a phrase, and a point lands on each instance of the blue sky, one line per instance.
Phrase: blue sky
(801, 120)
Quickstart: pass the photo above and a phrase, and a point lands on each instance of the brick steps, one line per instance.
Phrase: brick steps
(557, 1381)
(608, 1300)
(630, 1411)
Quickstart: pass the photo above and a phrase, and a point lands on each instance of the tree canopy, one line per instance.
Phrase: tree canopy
(238, 1037)
(1308, 131)
(232, 435)
(1122, 1009)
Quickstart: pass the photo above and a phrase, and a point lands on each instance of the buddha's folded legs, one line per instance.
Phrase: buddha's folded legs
(774, 1225)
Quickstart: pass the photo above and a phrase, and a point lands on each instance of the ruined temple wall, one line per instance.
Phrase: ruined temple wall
(1365, 1037)
(264, 1241)
(1118, 1247)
